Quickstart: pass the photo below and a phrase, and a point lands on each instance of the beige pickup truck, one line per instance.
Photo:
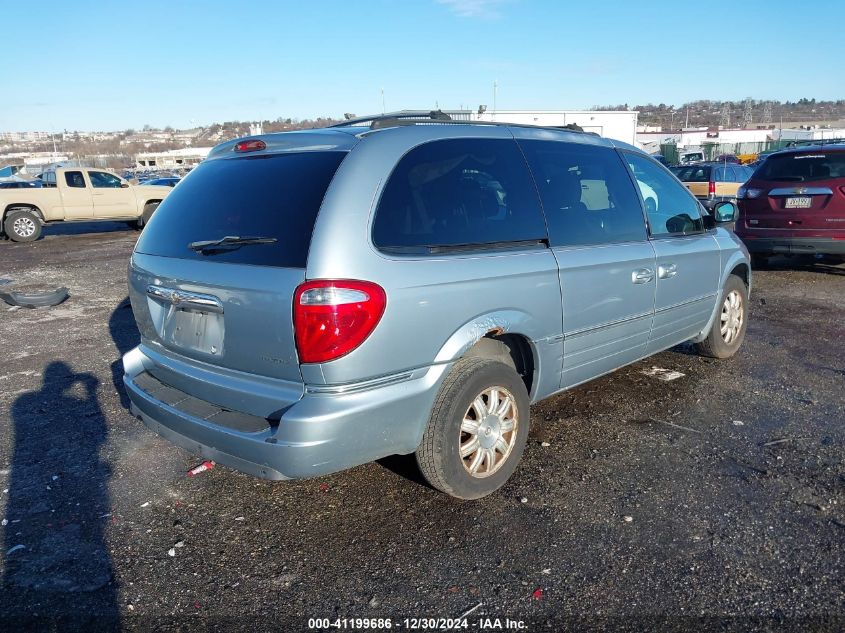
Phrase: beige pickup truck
(76, 194)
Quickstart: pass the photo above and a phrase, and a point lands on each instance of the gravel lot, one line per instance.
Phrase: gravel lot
(714, 501)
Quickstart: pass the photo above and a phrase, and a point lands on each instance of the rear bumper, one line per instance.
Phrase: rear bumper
(793, 245)
(319, 434)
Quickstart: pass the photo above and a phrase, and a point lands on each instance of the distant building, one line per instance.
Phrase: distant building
(172, 159)
(620, 125)
(18, 137)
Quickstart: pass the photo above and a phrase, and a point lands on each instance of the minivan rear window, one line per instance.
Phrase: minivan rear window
(693, 173)
(269, 196)
(802, 167)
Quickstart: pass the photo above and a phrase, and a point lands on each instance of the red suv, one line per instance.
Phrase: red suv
(795, 204)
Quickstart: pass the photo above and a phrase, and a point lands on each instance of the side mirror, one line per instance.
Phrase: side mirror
(725, 212)
(124, 185)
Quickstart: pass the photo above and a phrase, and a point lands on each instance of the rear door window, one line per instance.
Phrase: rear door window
(74, 179)
(802, 167)
(458, 193)
(587, 194)
(273, 196)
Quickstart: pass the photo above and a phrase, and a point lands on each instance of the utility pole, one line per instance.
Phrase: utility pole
(495, 88)
(382, 101)
(687, 124)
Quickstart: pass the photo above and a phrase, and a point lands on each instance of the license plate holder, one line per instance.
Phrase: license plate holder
(798, 202)
(194, 330)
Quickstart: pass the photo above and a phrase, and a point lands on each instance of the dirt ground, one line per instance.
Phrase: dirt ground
(713, 501)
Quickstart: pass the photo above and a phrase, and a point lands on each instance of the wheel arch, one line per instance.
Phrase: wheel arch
(23, 206)
(739, 266)
(505, 335)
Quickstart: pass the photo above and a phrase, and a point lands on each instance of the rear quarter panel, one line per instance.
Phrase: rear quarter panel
(48, 201)
(145, 193)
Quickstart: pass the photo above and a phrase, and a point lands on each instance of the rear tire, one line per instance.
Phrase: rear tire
(22, 226)
(728, 329)
(149, 209)
(477, 430)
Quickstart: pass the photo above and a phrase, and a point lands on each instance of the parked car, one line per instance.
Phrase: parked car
(712, 183)
(375, 289)
(690, 157)
(728, 158)
(76, 194)
(794, 203)
(162, 182)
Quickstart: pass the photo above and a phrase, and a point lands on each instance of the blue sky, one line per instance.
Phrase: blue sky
(83, 65)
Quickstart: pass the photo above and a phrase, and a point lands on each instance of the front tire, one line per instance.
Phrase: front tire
(728, 329)
(477, 430)
(22, 226)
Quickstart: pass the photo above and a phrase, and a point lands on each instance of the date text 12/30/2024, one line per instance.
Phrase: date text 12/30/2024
(417, 624)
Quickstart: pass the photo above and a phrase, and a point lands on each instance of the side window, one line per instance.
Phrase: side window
(722, 174)
(587, 193)
(102, 180)
(671, 209)
(49, 179)
(458, 192)
(75, 179)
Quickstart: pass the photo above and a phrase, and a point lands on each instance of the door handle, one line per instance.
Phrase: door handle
(642, 276)
(667, 270)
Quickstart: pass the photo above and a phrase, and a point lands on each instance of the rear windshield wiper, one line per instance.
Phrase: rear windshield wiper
(228, 243)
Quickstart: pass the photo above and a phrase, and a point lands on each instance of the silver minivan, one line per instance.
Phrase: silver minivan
(309, 301)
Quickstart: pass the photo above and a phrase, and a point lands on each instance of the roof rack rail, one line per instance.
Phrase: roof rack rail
(812, 142)
(437, 117)
(403, 117)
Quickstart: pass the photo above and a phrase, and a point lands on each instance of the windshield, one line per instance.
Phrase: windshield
(275, 197)
(802, 167)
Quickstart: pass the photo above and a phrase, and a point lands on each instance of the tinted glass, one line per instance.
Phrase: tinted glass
(458, 192)
(275, 196)
(693, 173)
(587, 194)
(671, 209)
(102, 180)
(74, 179)
(802, 167)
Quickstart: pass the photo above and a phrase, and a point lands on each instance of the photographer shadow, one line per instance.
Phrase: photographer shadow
(57, 570)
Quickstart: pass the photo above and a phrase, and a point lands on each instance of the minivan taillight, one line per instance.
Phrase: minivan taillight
(711, 189)
(331, 317)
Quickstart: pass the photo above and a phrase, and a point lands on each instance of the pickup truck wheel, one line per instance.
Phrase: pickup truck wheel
(728, 329)
(22, 226)
(149, 209)
(477, 429)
